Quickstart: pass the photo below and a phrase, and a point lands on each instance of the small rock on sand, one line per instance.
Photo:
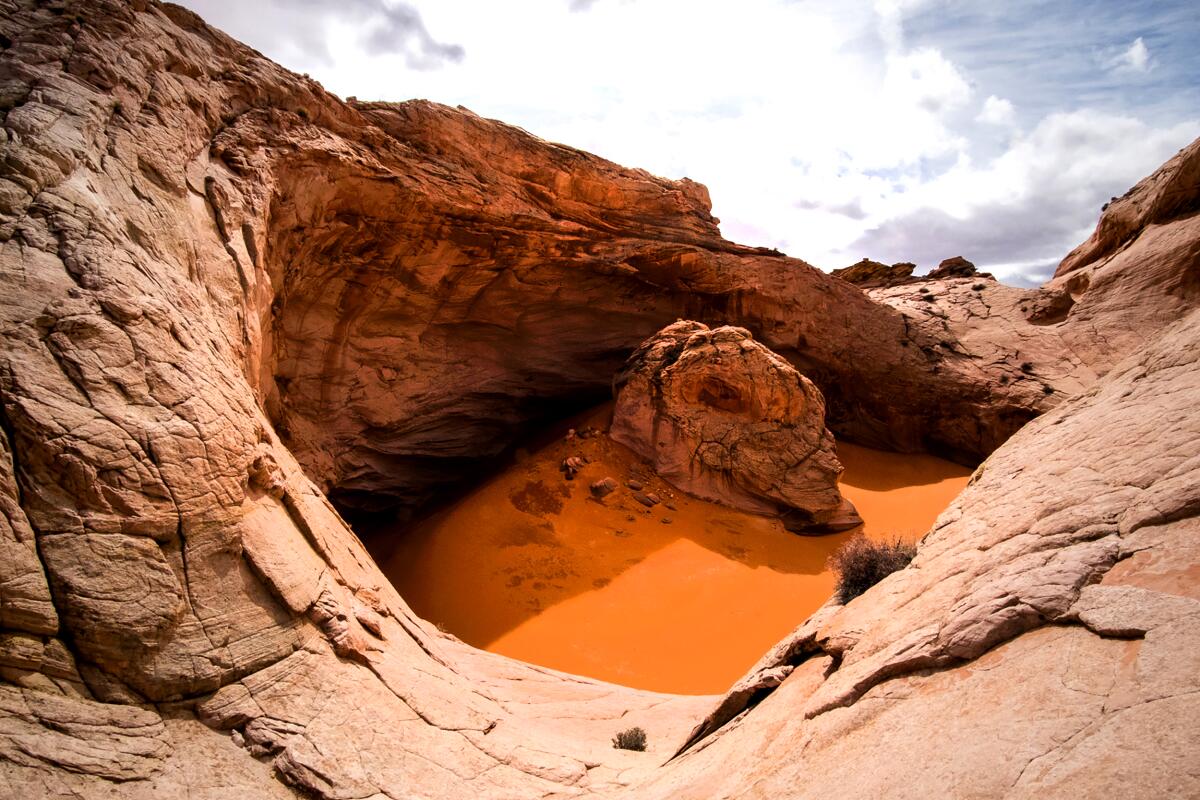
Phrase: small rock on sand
(648, 500)
(603, 488)
(571, 466)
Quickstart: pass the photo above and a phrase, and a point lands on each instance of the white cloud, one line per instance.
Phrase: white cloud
(814, 125)
(1014, 213)
(890, 15)
(1135, 59)
(997, 111)
(297, 30)
(924, 79)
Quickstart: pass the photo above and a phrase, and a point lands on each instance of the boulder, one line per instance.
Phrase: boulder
(723, 418)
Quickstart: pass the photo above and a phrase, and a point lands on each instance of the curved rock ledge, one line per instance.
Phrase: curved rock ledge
(231, 295)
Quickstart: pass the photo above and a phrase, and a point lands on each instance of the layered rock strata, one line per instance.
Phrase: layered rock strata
(868, 274)
(403, 287)
(873, 274)
(723, 418)
(230, 296)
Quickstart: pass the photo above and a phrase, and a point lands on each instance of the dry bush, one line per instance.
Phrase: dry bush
(632, 739)
(861, 563)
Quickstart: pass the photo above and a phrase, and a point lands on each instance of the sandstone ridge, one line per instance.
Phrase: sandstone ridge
(870, 274)
(874, 274)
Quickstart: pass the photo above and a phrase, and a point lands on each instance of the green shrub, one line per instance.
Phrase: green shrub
(632, 739)
(861, 563)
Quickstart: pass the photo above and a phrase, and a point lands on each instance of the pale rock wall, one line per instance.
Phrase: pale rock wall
(224, 284)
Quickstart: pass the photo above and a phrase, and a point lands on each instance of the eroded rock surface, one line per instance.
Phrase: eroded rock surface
(723, 418)
(1113, 295)
(227, 292)
(403, 286)
(1054, 584)
(869, 274)
(1170, 195)
(955, 267)
(872, 274)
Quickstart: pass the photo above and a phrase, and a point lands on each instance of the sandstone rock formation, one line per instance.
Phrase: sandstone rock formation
(1136, 275)
(1139, 272)
(1171, 194)
(995, 634)
(956, 267)
(869, 274)
(723, 418)
(872, 274)
(403, 286)
(231, 296)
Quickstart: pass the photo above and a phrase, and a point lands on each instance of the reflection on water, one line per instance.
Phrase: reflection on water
(679, 600)
(898, 494)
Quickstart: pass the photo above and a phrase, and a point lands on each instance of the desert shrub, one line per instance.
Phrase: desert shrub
(861, 563)
(1026, 367)
(632, 739)
(978, 287)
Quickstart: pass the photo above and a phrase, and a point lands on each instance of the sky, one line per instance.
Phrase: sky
(832, 130)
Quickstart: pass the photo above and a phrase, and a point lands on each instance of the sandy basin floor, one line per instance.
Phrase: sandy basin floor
(685, 600)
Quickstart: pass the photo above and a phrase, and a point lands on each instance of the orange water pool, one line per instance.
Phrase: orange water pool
(684, 600)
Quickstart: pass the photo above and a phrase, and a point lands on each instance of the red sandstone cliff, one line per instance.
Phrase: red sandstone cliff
(402, 286)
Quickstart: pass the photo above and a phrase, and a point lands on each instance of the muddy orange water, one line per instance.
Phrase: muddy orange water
(682, 600)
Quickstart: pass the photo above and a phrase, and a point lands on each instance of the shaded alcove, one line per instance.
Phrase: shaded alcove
(415, 335)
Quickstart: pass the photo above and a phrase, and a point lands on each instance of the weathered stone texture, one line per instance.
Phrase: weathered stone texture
(723, 418)
(230, 296)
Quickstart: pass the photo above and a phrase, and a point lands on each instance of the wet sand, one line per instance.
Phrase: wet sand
(530, 566)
